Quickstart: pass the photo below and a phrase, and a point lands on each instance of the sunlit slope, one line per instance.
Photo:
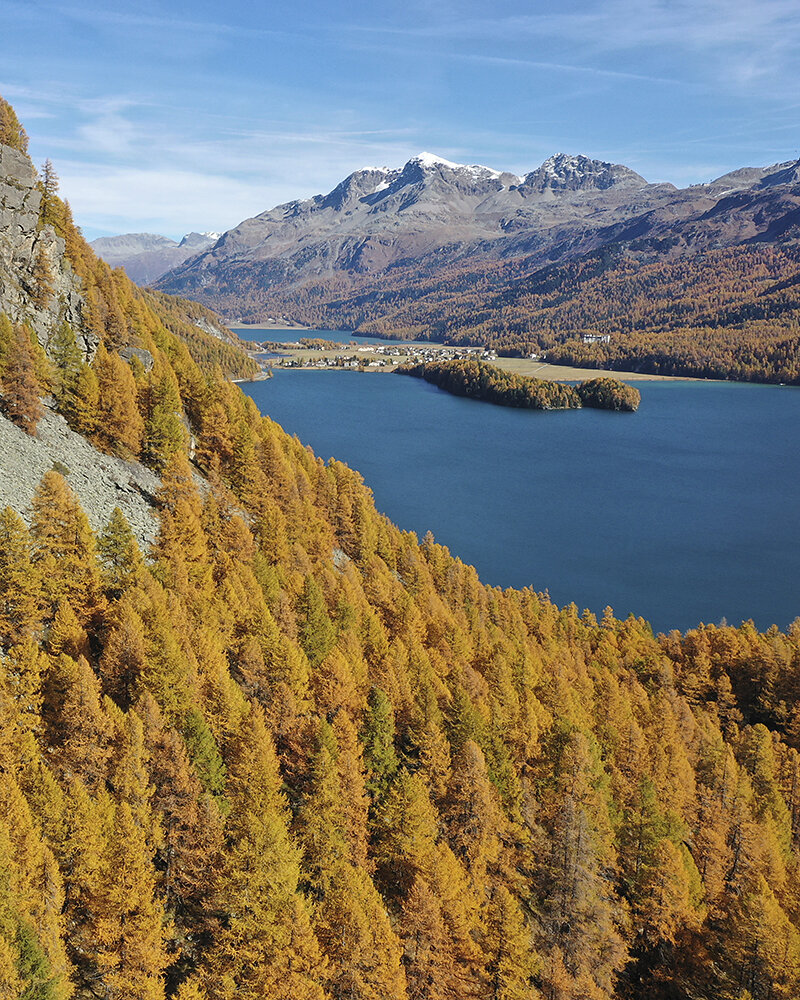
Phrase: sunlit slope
(292, 752)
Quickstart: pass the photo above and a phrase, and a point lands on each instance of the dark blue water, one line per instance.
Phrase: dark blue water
(262, 333)
(685, 511)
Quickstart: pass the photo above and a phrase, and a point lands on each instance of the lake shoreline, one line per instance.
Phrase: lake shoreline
(377, 355)
(344, 341)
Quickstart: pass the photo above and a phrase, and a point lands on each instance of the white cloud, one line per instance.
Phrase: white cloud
(189, 185)
(170, 201)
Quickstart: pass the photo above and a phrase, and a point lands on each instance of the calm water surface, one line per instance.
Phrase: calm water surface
(685, 511)
(277, 336)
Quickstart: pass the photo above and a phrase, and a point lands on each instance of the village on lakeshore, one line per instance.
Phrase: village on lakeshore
(316, 353)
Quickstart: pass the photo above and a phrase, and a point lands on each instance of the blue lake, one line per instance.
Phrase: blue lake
(685, 511)
(277, 336)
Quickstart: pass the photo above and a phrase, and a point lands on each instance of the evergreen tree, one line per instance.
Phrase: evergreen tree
(41, 278)
(181, 539)
(77, 729)
(11, 131)
(6, 341)
(352, 782)
(19, 385)
(124, 659)
(512, 963)
(378, 736)
(127, 920)
(49, 207)
(267, 949)
(316, 630)
(119, 425)
(190, 851)
(67, 360)
(163, 431)
(427, 946)
(64, 547)
(80, 405)
(20, 583)
(66, 634)
(580, 928)
(472, 809)
(119, 552)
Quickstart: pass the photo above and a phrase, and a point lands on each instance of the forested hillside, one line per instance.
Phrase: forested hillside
(292, 752)
(732, 313)
(124, 366)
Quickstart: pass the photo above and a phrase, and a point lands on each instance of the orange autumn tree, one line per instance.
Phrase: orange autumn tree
(19, 387)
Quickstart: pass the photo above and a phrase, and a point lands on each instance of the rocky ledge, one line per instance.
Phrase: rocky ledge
(22, 242)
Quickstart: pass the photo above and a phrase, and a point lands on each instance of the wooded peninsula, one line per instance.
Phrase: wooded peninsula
(478, 380)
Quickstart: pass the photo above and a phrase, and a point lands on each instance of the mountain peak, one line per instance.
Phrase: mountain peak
(430, 161)
(576, 172)
(200, 240)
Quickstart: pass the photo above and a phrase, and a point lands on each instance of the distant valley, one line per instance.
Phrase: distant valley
(146, 256)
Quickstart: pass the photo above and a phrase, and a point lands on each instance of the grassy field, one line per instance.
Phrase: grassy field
(565, 373)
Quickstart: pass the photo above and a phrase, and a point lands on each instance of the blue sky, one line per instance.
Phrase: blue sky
(167, 117)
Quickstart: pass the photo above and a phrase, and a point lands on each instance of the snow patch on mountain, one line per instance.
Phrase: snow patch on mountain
(431, 160)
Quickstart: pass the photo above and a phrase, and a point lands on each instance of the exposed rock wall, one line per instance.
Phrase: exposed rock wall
(22, 242)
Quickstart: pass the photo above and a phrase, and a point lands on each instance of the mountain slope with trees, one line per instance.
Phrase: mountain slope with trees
(699, 281)
(291, 751)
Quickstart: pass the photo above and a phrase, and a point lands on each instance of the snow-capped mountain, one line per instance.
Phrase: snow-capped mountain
(422, 217)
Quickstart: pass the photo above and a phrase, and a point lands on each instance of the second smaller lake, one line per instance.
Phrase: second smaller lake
(277, 336)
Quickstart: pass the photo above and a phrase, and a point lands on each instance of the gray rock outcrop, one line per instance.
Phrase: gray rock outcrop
(23, 242)
(101, 482)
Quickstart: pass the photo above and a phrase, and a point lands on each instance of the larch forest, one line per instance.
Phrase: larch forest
(291, 752)
(729, 313)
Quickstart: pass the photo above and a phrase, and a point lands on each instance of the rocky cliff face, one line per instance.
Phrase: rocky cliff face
(26, 248)
(579, 173)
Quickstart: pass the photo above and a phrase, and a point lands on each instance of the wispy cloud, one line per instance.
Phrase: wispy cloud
(156, 121)
(621, 24)
(209, 182)
(559, 67)
(118, 199)
(746, 42)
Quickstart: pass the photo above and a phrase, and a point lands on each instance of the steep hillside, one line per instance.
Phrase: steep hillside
(100, 481)
(290, 752)
(125, 367)
(686, 281)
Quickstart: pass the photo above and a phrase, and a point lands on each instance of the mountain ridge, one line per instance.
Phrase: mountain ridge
(146, 256)
(470, 202)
